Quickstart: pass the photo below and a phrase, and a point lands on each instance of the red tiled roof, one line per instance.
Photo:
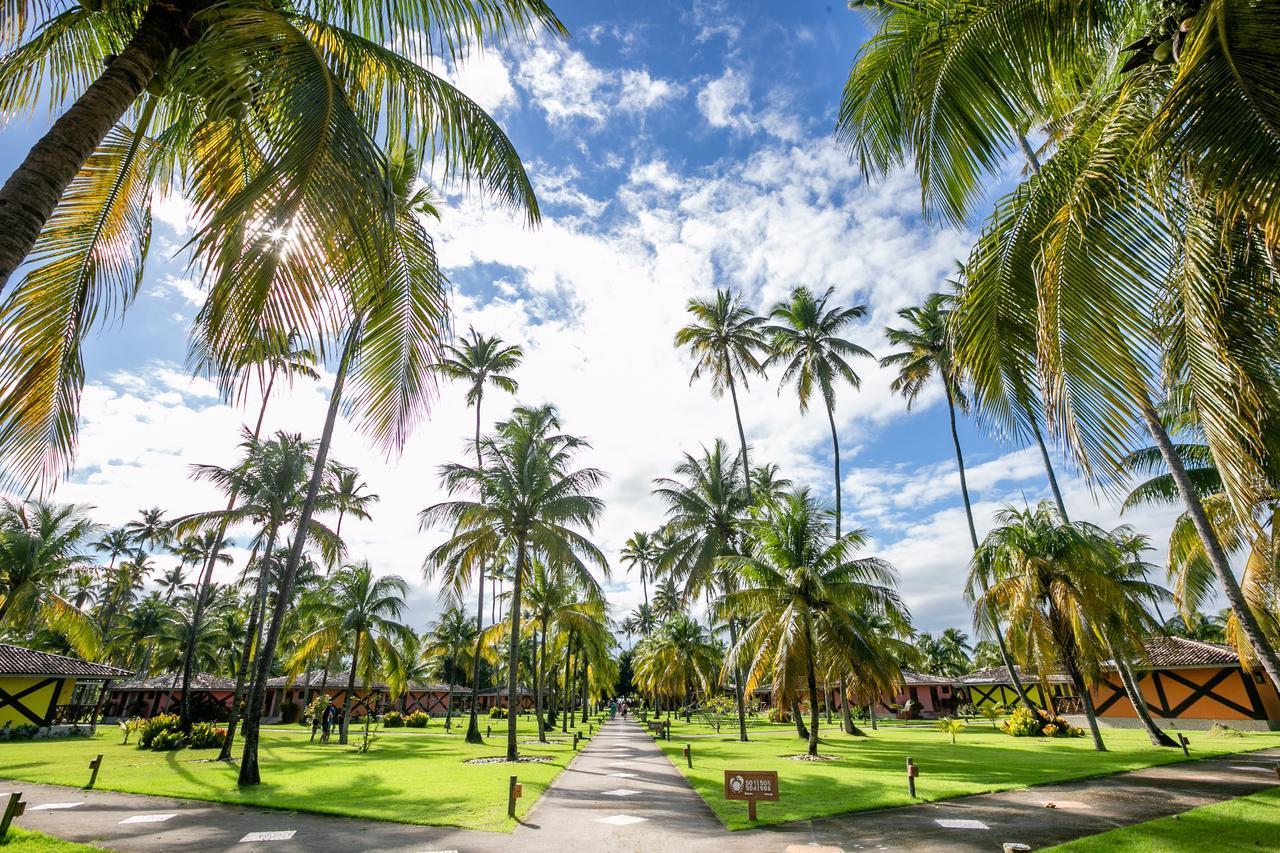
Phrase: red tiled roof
(15, 660)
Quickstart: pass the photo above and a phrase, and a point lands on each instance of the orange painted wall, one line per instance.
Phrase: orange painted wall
(1231, 688)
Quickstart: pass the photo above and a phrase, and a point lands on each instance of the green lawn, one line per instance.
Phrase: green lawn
(26, 841)
(410, 776)
(870, 771)
(1245, 823)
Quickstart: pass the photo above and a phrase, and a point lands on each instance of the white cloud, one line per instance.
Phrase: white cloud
(485, 78)
(723, 101)
(568, 87)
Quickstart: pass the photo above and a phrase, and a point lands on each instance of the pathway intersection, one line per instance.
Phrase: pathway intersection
(621, 793)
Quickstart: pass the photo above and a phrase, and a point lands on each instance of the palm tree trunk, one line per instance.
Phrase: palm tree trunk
(586, 669)
(249, 772)
(973, 537)
(1134, 691)
(835, 455)
(206, 576)
(349, 705)
(513, 659)
(539, 669)
(846, 717)
(473, 721)
(448, 708)
(742, 437)
(33, 191)
(812, 678)
(1212, 546)
(1067, 654)
(739, 692)
(801, 731)
(568, 675)
(250, 632)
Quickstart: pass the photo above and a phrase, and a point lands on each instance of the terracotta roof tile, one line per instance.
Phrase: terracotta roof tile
(15, 660)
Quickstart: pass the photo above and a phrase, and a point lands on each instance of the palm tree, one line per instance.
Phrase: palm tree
(704, 513)
(172, 581)
(41, 546)
(1089, 272)
(347, 494)
(362, 610)
(942, 656)
(275, 118)
(526, 498)
(480, 361)
(449, 641)
(645, 617)
(1058, 587)
(640, 552)
(150, 530)
(802, 590)
(677, 660)
(668, 601)
(927, 353)
(724, 339)
(400, 318)
(807, 339)
(144, 626)
(268, 358)
(558, 603)
(768, 485)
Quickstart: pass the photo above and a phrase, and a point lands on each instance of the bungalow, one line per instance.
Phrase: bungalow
(497, 697)
(1191, 684)
(994, 687)
(211, 696)
(931, 696)
(43, 689)
(288, 696)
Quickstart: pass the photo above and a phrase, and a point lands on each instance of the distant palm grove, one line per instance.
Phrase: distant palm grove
(1117, 314)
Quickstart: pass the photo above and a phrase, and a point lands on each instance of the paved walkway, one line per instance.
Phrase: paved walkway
(622, 794)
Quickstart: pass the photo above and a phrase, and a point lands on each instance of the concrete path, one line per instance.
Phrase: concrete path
(622, 794)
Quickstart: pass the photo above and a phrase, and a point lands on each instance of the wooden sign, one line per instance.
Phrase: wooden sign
(750, 785)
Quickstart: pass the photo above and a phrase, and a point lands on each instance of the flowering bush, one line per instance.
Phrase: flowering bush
(417, 720)
(206, 736)
(498, 713)
(166, 741)
(152, 728)
(393, 720)
(1027, 723)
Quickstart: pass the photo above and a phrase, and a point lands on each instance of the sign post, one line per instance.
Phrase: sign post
(13, 807)
(752, 786)
(1184, 741)
(912, 772)
(94, 765)
(514, 791)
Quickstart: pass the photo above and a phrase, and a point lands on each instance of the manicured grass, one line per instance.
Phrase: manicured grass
(409, 775)
(870, 772)
(1245, 823)
(27, 841)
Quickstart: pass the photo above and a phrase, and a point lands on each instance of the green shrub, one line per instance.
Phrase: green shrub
(950, 726)
(498, 712)
(393, 720)
(779, 715)
(1223, 730)
(1027, 723)
(166, 741)
(155, 726)
(131, 726)
(206, 736)
(417, 720)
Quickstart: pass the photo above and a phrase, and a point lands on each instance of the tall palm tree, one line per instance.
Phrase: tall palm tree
(704, 514)
(645, 617)
(925, 337)
(640, 552)
(270, 357)
(449, 641)
(42, 545)
(806, 338)
(802, 590)
(150, 530)
(526, 497)
(348, 494)
(394, 336)
(362, 610)
(172, 581)
(668, 601)
(1089, 271)
(276, 120)
(1058, 587)
(480, 361)
(725, 339)
(556, 603)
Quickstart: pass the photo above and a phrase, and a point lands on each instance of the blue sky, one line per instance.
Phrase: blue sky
(676, 148)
